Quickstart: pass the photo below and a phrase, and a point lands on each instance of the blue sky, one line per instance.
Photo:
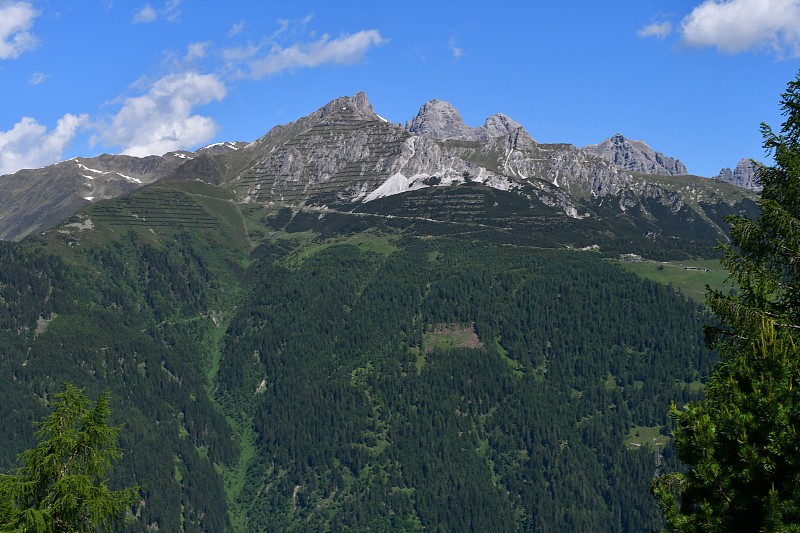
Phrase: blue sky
(692, 78)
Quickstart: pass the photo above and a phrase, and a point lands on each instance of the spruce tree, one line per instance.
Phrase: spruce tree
(61, 485)
(741, 443)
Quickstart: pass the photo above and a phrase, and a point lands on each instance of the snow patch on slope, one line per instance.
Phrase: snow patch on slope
(129, 178)
(84, 167)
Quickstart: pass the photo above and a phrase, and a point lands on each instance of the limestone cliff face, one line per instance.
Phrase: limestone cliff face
(636, 156)
(744, 175)
(344, 154)
(438, 119)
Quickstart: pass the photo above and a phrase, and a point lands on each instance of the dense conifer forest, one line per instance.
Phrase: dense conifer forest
(364, 379)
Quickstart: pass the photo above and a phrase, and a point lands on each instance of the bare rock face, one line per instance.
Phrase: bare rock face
(636, 156)
(744, 175)
(344, 155)
(438, 119)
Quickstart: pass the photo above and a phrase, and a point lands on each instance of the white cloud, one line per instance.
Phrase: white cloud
(236, 29)
(344, 50)
(16, 20)
(734, 26)
(29, 145)
(196, 51)
(38, 78)
(172, 10)
(144, 15)
(656, 29)
(457, 52)
(161, 120)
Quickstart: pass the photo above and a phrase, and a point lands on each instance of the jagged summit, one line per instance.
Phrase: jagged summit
(744, 175)
(359, 103)
(344, 155)
(636, 156)
(438, 119)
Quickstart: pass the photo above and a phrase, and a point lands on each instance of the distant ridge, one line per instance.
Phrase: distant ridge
(636, 156)
(744, 175)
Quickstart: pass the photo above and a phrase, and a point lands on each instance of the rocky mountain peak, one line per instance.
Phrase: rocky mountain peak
(636, 156)
(744, 175)
(358, 103)
(439, 120)
(499, 125)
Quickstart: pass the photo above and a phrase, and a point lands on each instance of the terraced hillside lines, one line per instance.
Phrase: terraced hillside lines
(469, 204)
(155, 208)
(339, 154)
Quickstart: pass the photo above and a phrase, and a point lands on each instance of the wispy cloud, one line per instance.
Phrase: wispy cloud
(657, 29)
(145, 14)
(734, 26)
(29, 145)
(163, 119)
(171, 12)
(344, 50)
(38, 78)
(197, 50)
(236, 29)
(16, 21)
(458, 53)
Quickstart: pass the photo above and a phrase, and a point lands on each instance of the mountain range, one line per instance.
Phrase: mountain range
(350, 324)
(344, 157)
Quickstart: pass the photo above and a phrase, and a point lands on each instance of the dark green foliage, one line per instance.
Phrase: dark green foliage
(302, 387)
(741, 442)
(133, 319)
(62, 483)
(360, 425)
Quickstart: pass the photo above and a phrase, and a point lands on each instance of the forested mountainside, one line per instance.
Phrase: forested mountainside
(284, 368)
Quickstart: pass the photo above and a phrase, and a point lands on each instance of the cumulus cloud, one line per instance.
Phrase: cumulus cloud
(734, 26)
(344, 50)
(162, 120)
(29, 145)
(16, 21)
(656, 29)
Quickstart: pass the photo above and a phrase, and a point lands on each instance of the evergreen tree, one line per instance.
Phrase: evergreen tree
(741, 443)
(61, 485)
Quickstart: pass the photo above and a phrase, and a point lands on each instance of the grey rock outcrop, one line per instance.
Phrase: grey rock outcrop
(744, 175)
(344, 155)
(636, 156)
(439, 120)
